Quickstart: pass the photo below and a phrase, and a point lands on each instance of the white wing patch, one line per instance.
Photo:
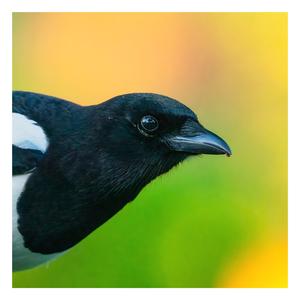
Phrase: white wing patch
(27, 134)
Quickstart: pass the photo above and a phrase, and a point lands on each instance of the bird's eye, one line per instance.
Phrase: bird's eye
(148, 124)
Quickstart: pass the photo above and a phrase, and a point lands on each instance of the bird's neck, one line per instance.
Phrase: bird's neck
(55, 216)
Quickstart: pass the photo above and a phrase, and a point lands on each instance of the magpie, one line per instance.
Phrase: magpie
(74, 166)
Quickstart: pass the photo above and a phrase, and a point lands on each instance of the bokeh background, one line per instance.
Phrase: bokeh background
(213, 221)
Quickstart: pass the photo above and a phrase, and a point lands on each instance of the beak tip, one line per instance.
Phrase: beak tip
(227, 151)
(216, 145)
(228, 154)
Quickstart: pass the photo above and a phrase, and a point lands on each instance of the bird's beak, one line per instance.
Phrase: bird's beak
(195, 139)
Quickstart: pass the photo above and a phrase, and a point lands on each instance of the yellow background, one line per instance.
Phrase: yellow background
(212, 222)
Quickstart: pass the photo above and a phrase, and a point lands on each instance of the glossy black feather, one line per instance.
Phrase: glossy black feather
(24, 160)
(96, 162)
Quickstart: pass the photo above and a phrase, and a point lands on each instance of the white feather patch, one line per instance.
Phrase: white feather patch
(27, 134)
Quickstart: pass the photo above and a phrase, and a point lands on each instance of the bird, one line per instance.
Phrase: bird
(74, 167)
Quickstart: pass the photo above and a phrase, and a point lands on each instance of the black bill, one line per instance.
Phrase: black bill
(198, 140)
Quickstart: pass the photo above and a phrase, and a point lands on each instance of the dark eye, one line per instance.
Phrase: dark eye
(149, 124)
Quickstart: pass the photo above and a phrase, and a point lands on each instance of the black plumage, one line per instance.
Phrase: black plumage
(98, 159)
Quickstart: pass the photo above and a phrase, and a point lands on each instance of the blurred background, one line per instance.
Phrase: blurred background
(214, 221)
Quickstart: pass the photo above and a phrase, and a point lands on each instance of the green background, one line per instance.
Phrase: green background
(213, 221)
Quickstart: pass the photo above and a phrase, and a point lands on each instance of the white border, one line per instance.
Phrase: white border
(151, 5)
(294, 151)
(5, 149)
(154, 5)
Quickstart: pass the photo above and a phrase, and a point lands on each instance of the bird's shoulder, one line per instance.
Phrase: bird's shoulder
(36, 118)
(44, 109)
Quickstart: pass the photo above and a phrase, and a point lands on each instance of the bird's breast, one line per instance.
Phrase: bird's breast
(23, 258)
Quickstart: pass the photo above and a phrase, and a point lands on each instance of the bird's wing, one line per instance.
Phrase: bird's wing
(29, 144)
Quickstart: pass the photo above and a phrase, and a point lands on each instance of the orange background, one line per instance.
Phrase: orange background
(213, 222)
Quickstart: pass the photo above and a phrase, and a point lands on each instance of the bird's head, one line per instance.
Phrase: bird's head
(147, 134)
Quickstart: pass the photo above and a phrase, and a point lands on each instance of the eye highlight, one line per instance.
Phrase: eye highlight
(148, 124)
